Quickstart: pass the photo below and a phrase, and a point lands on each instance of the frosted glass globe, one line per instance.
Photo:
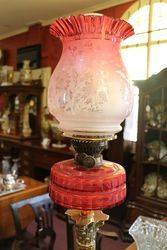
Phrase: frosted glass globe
(89, 91)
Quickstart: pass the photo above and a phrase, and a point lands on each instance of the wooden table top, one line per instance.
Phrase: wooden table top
(132, 247)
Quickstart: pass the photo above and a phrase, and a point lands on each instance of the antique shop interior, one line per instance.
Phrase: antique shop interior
(83, 125)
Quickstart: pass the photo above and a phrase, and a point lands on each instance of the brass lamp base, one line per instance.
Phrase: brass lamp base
(87, 223)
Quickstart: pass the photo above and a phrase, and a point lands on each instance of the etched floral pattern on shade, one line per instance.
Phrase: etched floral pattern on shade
(89, 90)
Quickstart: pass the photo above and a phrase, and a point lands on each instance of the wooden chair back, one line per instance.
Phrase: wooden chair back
(42, 207)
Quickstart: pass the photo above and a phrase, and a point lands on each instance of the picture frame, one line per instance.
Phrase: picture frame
(32, 53)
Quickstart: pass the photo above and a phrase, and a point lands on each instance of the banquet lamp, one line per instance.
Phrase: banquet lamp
(90, 95)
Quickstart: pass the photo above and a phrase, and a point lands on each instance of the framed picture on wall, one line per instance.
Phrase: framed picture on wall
(32, 53)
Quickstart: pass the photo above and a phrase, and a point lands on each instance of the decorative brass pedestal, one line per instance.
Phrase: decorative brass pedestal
(87, 223)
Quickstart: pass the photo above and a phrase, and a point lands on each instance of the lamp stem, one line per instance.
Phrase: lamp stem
(86, 237)
(87, 223)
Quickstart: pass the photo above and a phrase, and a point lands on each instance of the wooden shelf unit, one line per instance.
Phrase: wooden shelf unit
(24, 93)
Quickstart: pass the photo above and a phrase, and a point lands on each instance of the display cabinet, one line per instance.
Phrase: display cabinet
(148, 182)
(20, 110)
(151, 164)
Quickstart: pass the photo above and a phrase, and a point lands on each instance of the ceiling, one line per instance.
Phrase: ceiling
(17, 15)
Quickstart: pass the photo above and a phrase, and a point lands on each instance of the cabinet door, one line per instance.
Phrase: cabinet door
(153, 160)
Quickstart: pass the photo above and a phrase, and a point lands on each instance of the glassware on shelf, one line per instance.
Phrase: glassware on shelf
(149, 234)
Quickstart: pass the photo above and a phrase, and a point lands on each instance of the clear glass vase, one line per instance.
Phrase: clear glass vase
(149, 234)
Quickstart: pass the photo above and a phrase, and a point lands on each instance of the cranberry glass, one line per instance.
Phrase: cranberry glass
(93, 189)
(89, 91)
(90, 94)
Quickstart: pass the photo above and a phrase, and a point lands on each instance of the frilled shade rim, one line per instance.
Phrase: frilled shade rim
(91, 24)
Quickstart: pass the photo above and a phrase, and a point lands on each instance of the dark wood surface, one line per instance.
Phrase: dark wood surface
(34, 188)
(35, 87)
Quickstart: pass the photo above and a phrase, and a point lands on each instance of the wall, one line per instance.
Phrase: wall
(51, 47)
(37, 34)
(117, 11)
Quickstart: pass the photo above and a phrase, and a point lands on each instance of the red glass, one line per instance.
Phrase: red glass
(90, 95)
(89, 91)
(92, 189)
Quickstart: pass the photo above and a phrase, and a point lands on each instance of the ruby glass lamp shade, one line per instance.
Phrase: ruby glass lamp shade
(90, 94)
(89, 91)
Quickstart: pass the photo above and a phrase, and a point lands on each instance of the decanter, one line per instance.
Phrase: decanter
(149, 234)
